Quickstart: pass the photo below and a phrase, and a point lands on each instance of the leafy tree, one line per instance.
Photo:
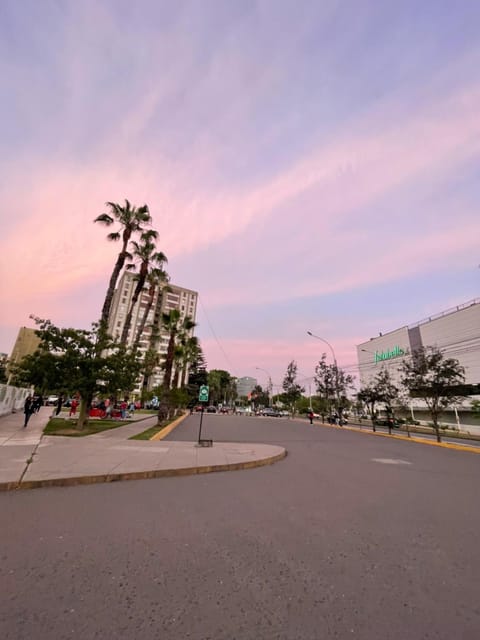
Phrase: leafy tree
(3, 371)
(387, 393)
(71, 360)
(131, 220)
(435, 378)
(333, 384)
(39, 370)
(292, 390)
(369, 395)
(326, 379)
(219, 382)
(260, 396)
(476, 408)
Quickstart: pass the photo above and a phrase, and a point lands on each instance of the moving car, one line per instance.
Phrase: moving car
(270, 413)
(211, 409)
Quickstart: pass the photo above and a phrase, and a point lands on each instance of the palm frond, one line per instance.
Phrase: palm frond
(104, 218)
(149, 234)
(113, 236)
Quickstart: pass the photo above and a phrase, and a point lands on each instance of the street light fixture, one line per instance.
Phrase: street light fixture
(326, 342)
(335, 363)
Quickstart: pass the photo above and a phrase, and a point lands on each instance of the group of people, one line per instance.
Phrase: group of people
(34, 402)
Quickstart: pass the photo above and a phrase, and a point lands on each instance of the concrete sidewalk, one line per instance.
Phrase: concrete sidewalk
(28, 459)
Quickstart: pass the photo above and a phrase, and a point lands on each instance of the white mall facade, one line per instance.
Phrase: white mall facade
(455, 331)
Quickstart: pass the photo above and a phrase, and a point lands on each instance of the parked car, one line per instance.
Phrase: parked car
(211, 409)
(383, 422)
(52, 400)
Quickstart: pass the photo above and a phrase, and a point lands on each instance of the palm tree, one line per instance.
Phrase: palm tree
(131, 220)
(146, 254)
(190, 351)
(174, 324)
(155, 278)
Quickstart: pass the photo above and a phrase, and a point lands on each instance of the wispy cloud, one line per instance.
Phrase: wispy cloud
(276, 169)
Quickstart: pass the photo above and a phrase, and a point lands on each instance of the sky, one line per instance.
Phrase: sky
(309, 166)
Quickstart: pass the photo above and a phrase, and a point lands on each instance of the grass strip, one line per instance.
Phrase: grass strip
(62, 427)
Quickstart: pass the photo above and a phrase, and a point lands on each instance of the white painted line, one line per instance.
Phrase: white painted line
(390, 461)
(141, 449)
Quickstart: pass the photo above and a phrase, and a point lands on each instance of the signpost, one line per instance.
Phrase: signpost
(203, 395)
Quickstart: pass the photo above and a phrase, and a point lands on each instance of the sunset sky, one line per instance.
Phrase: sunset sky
(309, 165)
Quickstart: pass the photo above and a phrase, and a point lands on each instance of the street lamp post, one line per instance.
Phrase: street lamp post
(269, 388)
(336, 366)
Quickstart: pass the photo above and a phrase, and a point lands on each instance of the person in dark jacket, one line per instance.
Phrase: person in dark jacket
(59, 405)
(38, 403)
(28, 409)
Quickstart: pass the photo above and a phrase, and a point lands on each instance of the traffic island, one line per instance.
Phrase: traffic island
(80, 461)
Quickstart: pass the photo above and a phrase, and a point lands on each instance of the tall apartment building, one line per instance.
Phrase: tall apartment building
(166, 298)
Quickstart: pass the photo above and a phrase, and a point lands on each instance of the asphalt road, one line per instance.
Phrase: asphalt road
(351, 536)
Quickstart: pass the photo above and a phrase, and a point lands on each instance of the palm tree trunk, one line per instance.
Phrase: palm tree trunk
(111, 286)
(184, 373)
(128, 319)
(167, 378)
(143, 322)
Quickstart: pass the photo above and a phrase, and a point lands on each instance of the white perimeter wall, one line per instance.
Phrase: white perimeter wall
(12, 398)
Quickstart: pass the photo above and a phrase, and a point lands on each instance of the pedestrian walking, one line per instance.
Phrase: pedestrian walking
(59, 405)
(28, 409)
(310, 416)
(38, 403)
(123, 409)
(73, 407)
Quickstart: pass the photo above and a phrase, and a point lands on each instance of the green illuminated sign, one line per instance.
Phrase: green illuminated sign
(203, 393)
(389, 354)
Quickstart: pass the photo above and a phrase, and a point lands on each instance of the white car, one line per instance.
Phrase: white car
(52, 400)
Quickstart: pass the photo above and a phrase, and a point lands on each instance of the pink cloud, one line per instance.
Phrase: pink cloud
(62, 249)
(274, 355)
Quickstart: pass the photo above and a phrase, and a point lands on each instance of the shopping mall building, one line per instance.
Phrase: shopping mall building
(455, 331)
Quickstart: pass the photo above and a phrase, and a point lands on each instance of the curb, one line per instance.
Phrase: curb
(141, 475)
(169, 428)
(444, 445)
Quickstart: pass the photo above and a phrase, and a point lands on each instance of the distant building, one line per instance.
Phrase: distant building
(154, 336)
(27, 342)
(245, 385)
